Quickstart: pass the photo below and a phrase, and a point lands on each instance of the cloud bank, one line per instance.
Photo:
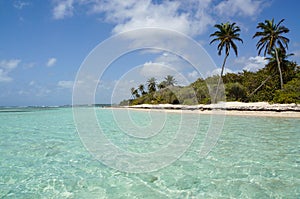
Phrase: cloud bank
(191, 17)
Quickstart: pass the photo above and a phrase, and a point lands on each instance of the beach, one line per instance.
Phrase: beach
(258, 109)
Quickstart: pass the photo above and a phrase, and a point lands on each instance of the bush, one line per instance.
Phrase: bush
(290, 92)
(235, 92)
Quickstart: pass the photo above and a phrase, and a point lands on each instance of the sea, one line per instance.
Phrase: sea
(45, 152)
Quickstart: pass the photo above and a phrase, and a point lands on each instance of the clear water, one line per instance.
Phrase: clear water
(42, 156)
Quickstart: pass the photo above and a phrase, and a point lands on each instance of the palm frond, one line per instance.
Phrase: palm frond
(271, 37)
(226, 34)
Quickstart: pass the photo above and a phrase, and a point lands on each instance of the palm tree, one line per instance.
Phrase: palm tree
(151, 85)
(272, 66)
(284, 63)
(226, 35)
(162, 85)
(137, 95)
(170, 80)
(134, 93)
(142, 89)
(272, 39)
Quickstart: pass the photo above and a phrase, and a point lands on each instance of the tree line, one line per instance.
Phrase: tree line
(278, 81)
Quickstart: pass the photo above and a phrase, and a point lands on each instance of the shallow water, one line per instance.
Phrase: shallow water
(42, 156)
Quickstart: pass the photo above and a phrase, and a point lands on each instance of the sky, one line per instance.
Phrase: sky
(44, 44)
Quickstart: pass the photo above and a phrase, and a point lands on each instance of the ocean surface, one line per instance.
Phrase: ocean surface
(42, 156)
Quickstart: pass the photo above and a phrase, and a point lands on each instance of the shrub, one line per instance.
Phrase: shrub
(290, 92)
(235, 92)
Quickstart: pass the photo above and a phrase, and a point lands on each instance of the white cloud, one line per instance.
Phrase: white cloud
(51, 61)
(217, 71)
(178, 67)
(247, 8)
(175, 15)
(23, 92)
(31, 83)
(29, 65)
(252, 63)
(194, 74)
(249, 64)
(155, 69)
(4, 77)
(158, 16)
(9, 64)
(35, 89)
(63, 9)
(65, 84)
(42, 92)
(104, 85)
(6, 66)
(163, 65)
(176, 63)
(20, 4)
(192, 17)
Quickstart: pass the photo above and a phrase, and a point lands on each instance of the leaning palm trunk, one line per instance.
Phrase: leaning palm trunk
(220, 78)
(260, 85)
(279, 69)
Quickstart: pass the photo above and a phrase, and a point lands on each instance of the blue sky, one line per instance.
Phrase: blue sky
(44, 43)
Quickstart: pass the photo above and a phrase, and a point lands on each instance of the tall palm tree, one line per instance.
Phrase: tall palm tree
(226, 35)
(271, 39)
(282, 57)
(272, 66)
(170, 80)
(151, 83)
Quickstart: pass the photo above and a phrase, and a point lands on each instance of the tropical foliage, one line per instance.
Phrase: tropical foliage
(238, 87)
(277, 82)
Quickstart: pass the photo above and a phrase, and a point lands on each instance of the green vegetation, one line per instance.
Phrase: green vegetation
(277, 82)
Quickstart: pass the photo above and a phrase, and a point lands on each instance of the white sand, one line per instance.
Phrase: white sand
(228, 108)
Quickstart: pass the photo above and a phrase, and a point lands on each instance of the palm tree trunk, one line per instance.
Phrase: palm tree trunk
(219, 82)
(260, 85)
(279, 69)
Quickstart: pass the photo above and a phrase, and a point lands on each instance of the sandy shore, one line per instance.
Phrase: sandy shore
(229, 108)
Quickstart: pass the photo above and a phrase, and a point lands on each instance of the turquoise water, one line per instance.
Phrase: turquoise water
(42, 156)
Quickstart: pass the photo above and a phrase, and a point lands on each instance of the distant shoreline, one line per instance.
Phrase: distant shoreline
(228, 108)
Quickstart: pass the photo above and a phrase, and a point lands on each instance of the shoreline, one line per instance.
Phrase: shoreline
(260, 109)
